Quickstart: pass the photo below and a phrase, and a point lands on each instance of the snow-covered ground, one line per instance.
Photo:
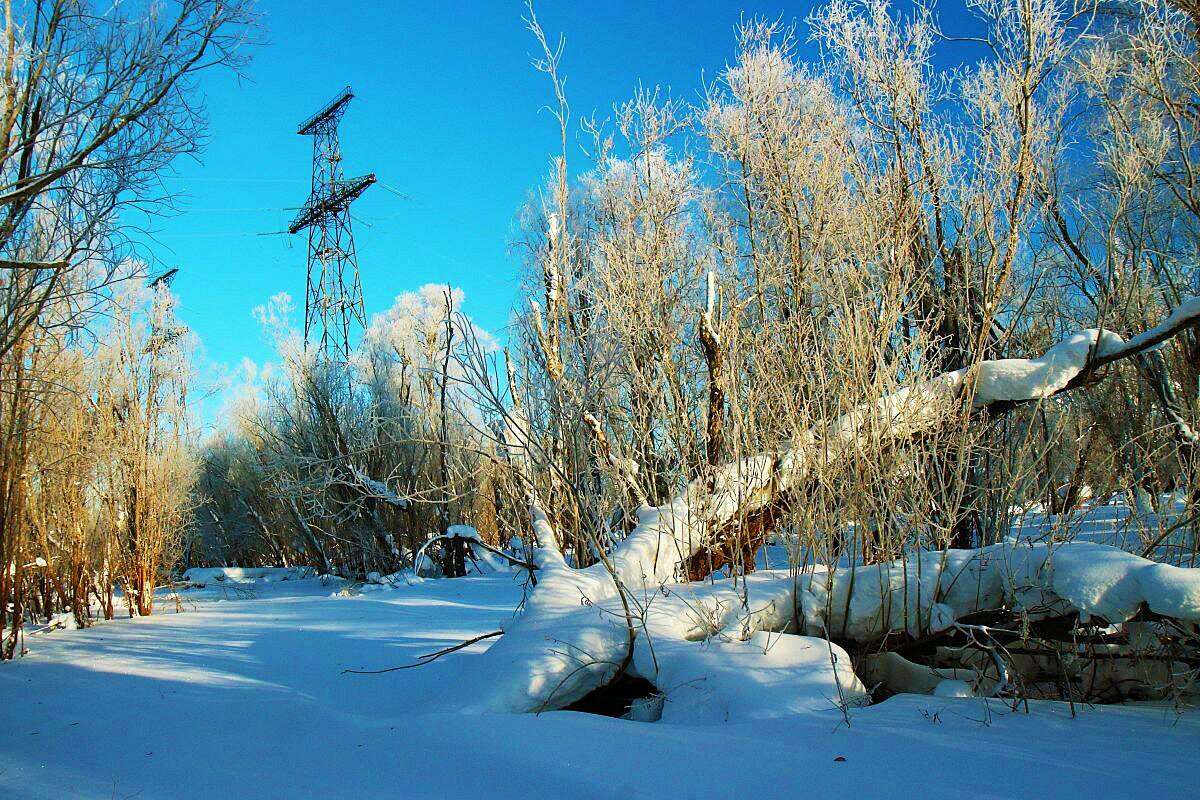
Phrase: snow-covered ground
(242, 695)
(1130, 526)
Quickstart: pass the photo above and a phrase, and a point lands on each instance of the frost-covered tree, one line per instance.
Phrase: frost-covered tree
(353, 467)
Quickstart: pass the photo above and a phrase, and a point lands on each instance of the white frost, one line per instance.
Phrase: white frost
(572, 635)
(378, 489)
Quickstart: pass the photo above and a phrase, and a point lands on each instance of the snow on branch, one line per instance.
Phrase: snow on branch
(1006, 383)
(377, 489)
(928, 592)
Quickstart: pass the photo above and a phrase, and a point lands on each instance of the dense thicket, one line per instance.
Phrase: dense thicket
(811, 308)
(94, 458)
(352, 467)
(816, 234)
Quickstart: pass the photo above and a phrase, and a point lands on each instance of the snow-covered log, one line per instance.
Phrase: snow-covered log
(575, 632)
(897, 674)
(929, 591)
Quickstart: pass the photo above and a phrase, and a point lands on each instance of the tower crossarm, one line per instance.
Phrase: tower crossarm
(341, 194)
(330, 110)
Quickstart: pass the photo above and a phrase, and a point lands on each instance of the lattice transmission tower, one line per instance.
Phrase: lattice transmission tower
(333, 297)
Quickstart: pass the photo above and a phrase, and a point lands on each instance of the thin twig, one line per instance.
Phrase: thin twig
(428, 658)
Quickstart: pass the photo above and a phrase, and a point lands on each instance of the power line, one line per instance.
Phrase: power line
(239, 179)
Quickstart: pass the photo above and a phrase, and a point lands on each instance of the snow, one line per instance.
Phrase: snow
(1129, 526)
(574, 636)
(202, 576)
(531, 670)
(690, 640)
(1185, 314)
(401, 577)
(1112, 584)
(378, 489)
(464, 532)
(247, 690)
(766, 676)
(1036, 378)
(953, 689)
(557, 652)
(668, 534)
(864, 603)
(246, 698)
(549, 658)
(480, 562)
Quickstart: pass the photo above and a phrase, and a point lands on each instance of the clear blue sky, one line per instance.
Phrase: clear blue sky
(446, 111)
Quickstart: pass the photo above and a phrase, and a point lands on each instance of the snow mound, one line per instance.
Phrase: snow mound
(1113, 584)
(464, 532)
(546, 661)
(715, 661)
(549, 658)
(766, 676)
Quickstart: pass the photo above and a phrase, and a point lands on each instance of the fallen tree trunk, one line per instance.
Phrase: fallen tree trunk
(581, 628)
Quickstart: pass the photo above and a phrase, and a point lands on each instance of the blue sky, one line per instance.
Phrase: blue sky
(446, 112)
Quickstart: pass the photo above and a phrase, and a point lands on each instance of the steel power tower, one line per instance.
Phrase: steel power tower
(333, 297)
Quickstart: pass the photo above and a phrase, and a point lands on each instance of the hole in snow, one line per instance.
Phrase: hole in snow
(616, 698)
